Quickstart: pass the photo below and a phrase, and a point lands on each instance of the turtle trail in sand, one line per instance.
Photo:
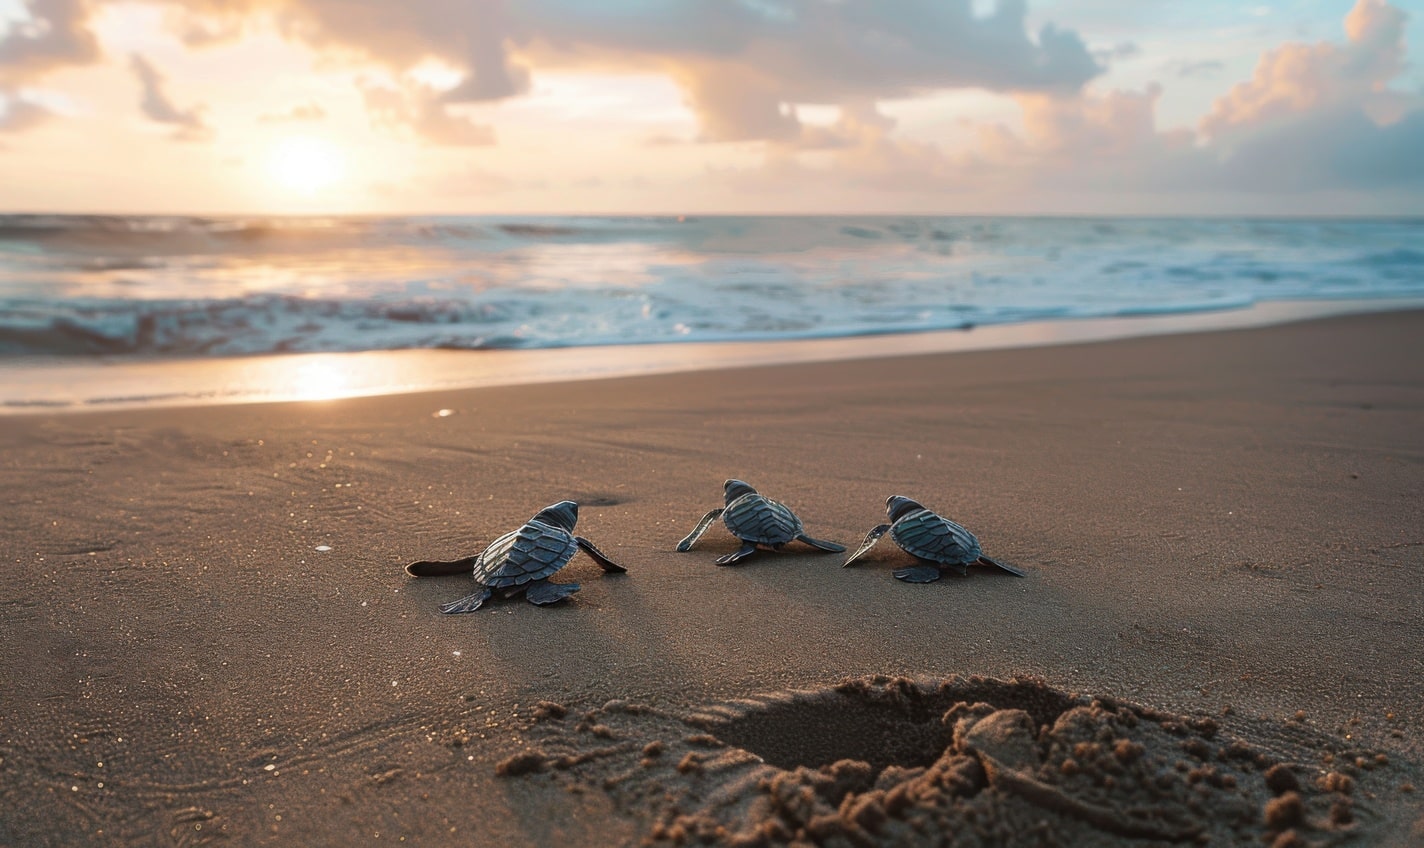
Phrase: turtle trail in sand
(521, 561)
(934, 540)
(757, 520)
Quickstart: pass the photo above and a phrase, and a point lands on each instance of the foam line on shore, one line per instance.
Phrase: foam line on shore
(39, 385)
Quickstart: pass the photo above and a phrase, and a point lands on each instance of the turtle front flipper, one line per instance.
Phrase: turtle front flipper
(469, 603)
(736, 557)
(1017, 572)
(440, 568)
(870, 539)
(821, 544)
(599, 556)
(918, 574)
(542, 592)
(686, 544)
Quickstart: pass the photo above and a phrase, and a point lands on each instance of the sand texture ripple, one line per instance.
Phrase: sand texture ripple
(209, 634)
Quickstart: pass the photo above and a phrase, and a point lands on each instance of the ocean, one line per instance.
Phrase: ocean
(199, 287)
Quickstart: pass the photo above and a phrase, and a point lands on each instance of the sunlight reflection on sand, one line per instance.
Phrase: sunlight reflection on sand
(35, 384)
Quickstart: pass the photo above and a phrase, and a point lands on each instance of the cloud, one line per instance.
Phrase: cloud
(742, 63)
(1082, 141)
(1086, 145)
(1322, 116)
(206, 27)
(1115, 124)
(188, 123)
(308, 111)
(54, 36)
(18, 114)
(422, 111)
(473, 36)
(1312, 116)
(817, 51)
(1296, 79)
(734, 104)
(861, 152)
(1337, 147)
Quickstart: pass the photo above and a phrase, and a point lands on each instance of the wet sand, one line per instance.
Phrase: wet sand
(62, 384)
(209, 635)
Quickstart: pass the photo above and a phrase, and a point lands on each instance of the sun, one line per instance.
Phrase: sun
(305, 164)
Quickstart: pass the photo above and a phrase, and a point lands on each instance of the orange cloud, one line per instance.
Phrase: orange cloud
(1295, 79)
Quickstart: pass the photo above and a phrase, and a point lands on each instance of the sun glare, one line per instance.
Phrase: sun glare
(305, 164)
(319, 377)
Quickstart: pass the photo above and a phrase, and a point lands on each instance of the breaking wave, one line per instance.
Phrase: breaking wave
(195, 286)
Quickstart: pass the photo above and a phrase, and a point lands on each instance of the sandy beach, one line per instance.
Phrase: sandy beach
(209, 635)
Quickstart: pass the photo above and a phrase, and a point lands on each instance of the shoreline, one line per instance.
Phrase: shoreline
(49, 385)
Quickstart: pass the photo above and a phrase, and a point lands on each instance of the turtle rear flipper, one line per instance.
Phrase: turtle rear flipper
(736, 557)
(870, 539)
(686, 544)
(1017, 572)
(918, 574)
(440, 568)
(469, 603)
(821, 544)
(543, 592)
(598, 556)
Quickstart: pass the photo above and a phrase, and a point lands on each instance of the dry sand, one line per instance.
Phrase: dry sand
(1226, 529)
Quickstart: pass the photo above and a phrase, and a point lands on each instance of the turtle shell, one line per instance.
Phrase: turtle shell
(532, 552)
(928, 536)
(759, 519)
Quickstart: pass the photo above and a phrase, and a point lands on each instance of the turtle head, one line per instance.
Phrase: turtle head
(563, 514)
(733, 489)
(897, 506)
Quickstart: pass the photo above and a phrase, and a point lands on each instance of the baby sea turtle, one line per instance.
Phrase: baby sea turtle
(758, 521)
(521, 561)
(937, 542)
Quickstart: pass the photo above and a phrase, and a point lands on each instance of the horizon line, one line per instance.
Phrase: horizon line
(1295, 216)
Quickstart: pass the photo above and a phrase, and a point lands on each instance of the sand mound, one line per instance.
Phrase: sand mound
(963, 762)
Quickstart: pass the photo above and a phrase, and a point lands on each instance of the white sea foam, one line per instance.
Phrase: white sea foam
(220, 286)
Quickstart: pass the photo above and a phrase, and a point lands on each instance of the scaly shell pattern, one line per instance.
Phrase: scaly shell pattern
(532, 552)
(759, 519)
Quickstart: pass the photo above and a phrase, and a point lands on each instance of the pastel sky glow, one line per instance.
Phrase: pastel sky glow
(693, 106)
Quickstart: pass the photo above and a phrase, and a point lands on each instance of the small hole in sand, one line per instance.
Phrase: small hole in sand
(888, 723)
(815, 733)
(1015, 762)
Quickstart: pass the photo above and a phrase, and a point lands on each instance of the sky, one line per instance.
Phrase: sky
(1298, 107)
